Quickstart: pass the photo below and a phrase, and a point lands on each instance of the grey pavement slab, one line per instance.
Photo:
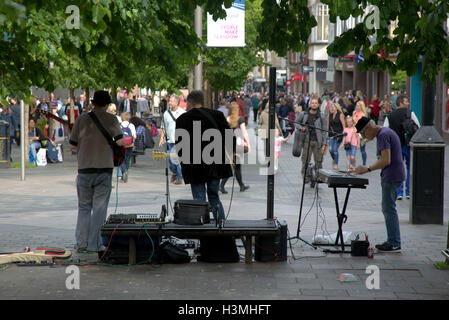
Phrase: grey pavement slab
(42, 211)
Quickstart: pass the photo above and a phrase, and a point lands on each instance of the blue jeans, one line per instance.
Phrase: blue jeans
(174, 168)
(33, 149)
(334, 144)
(94, 191)
(389, 194)
(406, 157)
(124, 167)
(363, 151)
(199, 193)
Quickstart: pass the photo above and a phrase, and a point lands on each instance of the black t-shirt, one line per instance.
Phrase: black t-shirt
(335, 123)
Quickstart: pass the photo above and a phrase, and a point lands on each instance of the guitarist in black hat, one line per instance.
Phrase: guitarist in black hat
(95, 165)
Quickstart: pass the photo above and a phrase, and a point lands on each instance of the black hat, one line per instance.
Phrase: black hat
(101, 98)
(361, 124)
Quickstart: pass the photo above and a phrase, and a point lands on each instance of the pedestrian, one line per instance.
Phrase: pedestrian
(238, 125)
(264, 123)
(248, 105)
(386, 106)
(374, 108)
(392, 174)
(360, 112)
(395, 121)
(351, 143)
(242, 110)
(203, 177)
(314, 126)
(168, 127)
(95, 165)
(16, 113)
(7, 116)
(277, 148)
(223, 107)
(255, 100)
(336, 125)
(130, 135)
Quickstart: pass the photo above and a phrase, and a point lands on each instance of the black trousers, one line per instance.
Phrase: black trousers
(238, 176)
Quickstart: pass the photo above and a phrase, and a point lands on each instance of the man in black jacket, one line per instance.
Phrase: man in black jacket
(394, 121)
(202, 175)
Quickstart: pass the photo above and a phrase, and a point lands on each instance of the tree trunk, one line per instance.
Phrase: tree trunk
(87, 102)
(72, 105)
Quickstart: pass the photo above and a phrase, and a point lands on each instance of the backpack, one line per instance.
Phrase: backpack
(408, 127)
(139, 144)
(127, 134)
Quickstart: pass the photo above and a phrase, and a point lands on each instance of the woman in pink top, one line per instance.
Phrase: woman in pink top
(351, 143)
(359, 112)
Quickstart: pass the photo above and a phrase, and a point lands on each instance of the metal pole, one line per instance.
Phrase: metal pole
(198, 79)
(22, 140)
(270, 144)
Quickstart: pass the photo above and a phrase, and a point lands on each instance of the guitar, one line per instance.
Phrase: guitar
(52, 116)
(39, 254)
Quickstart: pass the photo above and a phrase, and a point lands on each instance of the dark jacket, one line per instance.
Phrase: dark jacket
(200, 172)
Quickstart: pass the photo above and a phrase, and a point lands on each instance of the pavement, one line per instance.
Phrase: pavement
(42, 211)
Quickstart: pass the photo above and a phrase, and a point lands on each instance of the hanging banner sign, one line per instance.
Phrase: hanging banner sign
(228, 32)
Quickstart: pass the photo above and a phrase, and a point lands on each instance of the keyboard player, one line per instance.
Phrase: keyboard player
(392, 174)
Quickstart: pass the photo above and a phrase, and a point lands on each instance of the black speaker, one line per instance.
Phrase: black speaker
(272, 248)
(218, 249)
(118, 252)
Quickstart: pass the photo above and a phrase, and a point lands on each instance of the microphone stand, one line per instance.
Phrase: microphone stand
(167, 184)
(309, 129)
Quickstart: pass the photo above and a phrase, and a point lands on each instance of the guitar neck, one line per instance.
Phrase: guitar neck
(52, 116)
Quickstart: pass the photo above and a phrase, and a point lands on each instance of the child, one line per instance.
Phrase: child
(351, 143)
(277, 147)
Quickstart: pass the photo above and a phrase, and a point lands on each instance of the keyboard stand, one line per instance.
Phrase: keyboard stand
(341, 217)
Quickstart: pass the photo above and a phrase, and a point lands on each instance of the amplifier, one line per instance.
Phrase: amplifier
(133, 218)
(272, 248)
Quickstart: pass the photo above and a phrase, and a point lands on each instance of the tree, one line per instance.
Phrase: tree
(418, 33)
(227, 68)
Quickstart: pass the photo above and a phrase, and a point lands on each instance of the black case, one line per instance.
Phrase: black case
(218, 249)
(191, 212)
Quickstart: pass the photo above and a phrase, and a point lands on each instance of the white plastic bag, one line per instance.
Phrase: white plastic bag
(41, 157)
(58, 147)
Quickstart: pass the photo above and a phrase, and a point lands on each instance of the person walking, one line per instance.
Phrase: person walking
(264, 123)
(395, 121)
(203, 176)
(95, 165)
(130, 135)
(360, 112)
(168, 127)
(336, 122)
(351, 143)
(238, 125)
(392, 174)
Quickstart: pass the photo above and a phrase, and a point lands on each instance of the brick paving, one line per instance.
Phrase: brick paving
(41, 211)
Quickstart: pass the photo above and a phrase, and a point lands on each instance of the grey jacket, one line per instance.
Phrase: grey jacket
(321, 122)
